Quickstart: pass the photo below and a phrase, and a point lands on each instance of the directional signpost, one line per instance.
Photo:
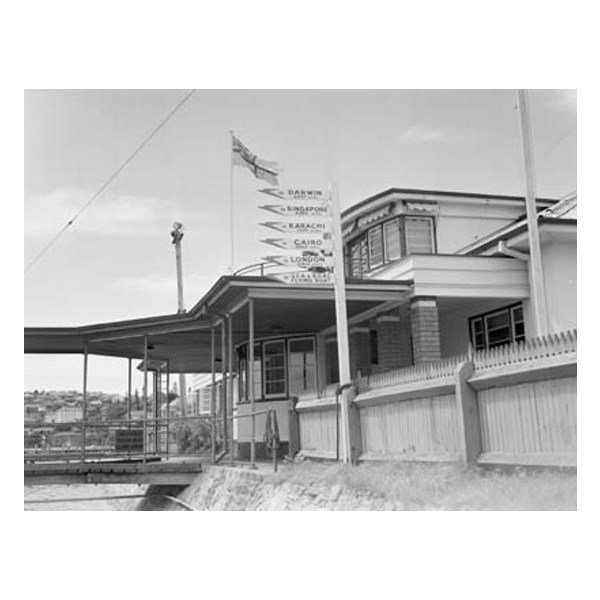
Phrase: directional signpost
(309, 259)
(307, 208)
(309, 232)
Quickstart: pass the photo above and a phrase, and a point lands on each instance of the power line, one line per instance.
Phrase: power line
(541, 157)
(111, 178)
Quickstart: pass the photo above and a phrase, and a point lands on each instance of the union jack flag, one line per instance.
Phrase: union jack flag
(266, 170)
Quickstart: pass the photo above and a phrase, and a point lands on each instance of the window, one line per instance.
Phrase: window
(419, 235)
(359, 259)
(281, 367)
(243, 371)
(274, 368)
(391, 230)
(518, 323)
(375, 246)
(496, 328)
(374, 341)
(302, 366)
(331, 354)
(390, 241)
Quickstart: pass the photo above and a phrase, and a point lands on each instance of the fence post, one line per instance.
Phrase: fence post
(354, 426)
(467, 410)
(294, 428)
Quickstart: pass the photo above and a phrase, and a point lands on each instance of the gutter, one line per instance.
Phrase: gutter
(504, 249)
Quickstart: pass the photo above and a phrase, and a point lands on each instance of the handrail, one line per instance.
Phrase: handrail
(261, 266)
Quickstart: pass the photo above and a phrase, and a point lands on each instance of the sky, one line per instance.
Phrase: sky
(117, 261)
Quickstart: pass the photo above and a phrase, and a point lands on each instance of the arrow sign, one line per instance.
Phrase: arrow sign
(302, 242)
(306, 260)
(307, 208)
(299, 226)
(304, 278)
(296, 194)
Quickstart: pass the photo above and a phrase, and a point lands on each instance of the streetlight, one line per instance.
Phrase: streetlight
(177, 235)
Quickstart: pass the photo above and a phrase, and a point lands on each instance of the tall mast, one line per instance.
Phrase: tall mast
(177, 235)
(536, 270)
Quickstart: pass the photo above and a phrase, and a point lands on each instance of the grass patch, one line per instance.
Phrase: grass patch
(419, 486)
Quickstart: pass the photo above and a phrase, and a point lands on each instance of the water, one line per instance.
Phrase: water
(72, 492)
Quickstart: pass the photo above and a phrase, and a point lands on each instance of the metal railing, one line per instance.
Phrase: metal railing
(140, 440)
(257, 269)
(92, 440)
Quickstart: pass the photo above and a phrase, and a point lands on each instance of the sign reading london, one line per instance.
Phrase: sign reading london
(305, 260)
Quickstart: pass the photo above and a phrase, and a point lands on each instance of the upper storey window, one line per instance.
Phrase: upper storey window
(389, 241)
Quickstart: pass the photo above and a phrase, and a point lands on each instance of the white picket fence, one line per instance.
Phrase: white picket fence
(534, 349)
(409, 375)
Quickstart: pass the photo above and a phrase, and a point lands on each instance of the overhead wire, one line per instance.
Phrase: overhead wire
(114, 175)
(565, 136)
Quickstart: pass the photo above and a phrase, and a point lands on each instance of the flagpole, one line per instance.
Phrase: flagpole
(536, 268)
(231, 221)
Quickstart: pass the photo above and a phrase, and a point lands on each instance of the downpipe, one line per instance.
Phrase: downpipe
(338, 393)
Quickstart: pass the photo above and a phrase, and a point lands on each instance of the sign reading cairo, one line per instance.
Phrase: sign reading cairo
(303, 242)
(304, 277)
(323, 226)
(308, 208)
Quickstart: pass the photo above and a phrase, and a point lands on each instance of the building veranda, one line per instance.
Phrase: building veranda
(445, 358)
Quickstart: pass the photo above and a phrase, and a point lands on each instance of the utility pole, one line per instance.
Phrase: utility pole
(177, 235)
(341, 323)
(536, 270)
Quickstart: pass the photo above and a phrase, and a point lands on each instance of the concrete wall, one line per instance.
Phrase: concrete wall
(560, 272)
(559, 259)
(454, 323)
(460, 224)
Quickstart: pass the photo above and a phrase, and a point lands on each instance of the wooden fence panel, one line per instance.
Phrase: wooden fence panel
(423, 428)
(537, 418)
(318, 432)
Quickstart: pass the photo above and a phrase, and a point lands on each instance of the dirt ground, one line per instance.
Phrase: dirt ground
(386, 486)
(324, 486)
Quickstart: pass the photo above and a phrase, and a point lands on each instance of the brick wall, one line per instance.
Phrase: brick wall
(360, 350)
(425, 329)
(393, 340)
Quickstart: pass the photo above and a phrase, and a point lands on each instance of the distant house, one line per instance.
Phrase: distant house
(66, 414)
